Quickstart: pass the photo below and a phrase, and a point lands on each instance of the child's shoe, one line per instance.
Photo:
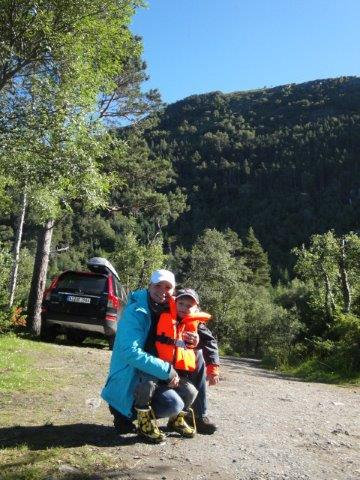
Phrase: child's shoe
(205, 426)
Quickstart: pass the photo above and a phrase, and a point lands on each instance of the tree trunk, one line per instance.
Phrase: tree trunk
(344, 278)
(17, 246)
(39, 277)
(329, 299)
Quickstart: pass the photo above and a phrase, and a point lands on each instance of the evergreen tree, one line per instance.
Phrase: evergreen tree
(256, 260)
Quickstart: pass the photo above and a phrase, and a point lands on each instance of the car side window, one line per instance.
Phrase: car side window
(120, 291)
(116, 286)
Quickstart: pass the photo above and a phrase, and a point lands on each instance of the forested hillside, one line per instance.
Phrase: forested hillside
(284, 160)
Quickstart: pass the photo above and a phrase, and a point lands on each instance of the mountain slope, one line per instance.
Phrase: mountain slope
(284, 160)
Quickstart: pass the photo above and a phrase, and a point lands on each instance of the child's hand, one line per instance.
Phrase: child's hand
(213, 379)
(191, 339)
(212, 374)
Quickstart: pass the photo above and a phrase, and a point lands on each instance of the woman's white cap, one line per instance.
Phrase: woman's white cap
(163, 276)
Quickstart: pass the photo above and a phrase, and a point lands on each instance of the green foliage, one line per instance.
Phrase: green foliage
(51, 118)
(6, 204)
(282, 160)
(57, 32)
(134, 261)
(327, 345)
(139, 180)
(5, 268)
(347, 328)
(244, 317)
(314, 370)
(77, 66)
(5, 321)
(320, 259)
(26, 265)
(265, 326)
(256, 260)
(11, 319)
(216, 275)
(330, 267)
(129, 232)
(345, 349)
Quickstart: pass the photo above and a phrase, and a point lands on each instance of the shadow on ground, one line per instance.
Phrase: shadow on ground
(66, 436)
(99, 343)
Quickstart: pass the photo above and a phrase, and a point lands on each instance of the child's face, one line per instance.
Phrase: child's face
(185, 305)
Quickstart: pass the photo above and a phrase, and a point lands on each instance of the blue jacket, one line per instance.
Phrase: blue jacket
(128, 355)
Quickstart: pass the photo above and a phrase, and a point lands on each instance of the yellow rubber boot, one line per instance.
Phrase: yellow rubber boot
(148, 427)
(180, 425)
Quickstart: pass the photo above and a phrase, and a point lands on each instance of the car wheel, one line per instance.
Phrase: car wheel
(76, 336)
(48, 332)
(111, 341)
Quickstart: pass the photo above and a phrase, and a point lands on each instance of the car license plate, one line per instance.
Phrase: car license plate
(78, 299)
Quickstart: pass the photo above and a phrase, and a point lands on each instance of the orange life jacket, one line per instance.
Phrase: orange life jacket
(169, 339)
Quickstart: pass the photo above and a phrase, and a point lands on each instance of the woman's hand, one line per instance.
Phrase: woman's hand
(174, 382)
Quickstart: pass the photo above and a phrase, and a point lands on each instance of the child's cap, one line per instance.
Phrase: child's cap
(163, 276)
(188, 292)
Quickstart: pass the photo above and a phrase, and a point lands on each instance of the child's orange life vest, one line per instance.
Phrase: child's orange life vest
(169, 339)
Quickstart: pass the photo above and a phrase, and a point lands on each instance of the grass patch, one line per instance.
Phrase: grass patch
(48, 430)
(18, 366)
(57, 463)
(314, 370)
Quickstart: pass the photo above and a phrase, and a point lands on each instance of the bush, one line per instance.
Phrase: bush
(12, 320)
(298, 353)
(283, 356)
(329, 359)
(345, 352)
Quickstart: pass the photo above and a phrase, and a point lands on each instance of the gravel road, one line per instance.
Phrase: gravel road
(270, 427)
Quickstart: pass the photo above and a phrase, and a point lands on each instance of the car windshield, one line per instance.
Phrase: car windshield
(77, 283)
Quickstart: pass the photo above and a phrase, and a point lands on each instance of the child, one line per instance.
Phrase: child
(174, 329)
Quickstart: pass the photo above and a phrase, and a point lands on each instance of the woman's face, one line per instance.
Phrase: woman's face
(160, 292)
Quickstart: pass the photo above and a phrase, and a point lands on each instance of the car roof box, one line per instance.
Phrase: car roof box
(101, 265)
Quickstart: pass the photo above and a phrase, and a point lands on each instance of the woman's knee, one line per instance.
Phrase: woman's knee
(167, 403)
(144, 392)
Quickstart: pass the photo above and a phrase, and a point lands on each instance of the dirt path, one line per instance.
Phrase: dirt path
(270, 427)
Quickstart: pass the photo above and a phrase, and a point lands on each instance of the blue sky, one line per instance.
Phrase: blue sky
(198, 46)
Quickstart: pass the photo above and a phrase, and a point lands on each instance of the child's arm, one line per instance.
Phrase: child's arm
(209, 346)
